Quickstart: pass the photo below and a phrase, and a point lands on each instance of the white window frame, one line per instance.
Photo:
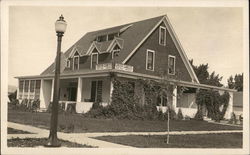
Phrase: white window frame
(74, 62)
(68, 64)
(152, 51)
(113, 51)
(171, 56)
(165, 35)
(92, 59)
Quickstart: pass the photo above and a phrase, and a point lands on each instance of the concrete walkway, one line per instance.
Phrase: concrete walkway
(85, 138)
(76, 138)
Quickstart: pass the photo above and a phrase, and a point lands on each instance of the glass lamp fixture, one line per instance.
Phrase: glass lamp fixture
(60, 25)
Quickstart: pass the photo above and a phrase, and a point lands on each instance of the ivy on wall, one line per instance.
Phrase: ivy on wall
(136, 100)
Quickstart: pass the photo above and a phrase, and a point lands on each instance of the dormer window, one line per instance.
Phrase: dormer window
(112, 36)
(107, 37)
(102, 38)
(162, 36)
(68, 63)
(94, 60)
(171, 65)
(115, 51)
(76, 62)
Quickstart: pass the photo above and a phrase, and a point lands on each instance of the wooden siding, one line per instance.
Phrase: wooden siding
(138, 60)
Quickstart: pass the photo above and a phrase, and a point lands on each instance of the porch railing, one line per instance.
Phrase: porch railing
(117, 66)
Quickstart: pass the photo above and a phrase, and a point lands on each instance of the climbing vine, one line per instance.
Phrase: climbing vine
(136, 100)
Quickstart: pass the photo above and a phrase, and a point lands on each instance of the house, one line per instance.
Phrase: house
(139, 50)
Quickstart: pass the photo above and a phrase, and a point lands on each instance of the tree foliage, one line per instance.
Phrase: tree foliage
(205, 77)
(235, 82)
(210, 98)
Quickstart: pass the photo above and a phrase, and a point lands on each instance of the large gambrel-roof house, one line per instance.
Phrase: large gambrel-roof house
(131, 51)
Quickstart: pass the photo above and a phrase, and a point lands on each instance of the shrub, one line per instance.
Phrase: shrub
(172, 114)
(198, 115)
(179, 115)
(233, 119)
(61, 108)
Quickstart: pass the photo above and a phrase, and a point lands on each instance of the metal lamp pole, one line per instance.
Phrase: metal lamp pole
(60, 27)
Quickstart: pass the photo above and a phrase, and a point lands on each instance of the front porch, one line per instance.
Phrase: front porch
(85, 88)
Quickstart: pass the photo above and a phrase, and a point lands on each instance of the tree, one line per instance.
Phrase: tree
(230, 82)
(204, 77)
(236, 82)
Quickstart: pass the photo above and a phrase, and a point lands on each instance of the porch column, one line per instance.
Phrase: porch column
(230, 106)
(52, 90)
(79, 90)
(41, 98)
(111, 90)
(174, 99)
(17, 91)
(29, 90)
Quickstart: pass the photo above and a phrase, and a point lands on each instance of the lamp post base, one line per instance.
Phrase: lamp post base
(53, 142)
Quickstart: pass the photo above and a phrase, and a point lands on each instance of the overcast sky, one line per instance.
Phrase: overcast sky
(208, 35)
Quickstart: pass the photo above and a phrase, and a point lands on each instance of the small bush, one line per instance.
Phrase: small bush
(233, 119)
(179, 115)
(198, 115)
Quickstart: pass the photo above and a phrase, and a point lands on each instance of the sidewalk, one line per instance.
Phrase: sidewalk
(77, 138)
(85, 138)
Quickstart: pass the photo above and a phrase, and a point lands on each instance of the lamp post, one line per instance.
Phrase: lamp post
(60, 27)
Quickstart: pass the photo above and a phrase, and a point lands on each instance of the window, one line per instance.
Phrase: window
(26, 85)
(21, 82)
(161, 100)
(171, 64)
(96, 91)
(150, 58)
(68, 64)
(102, 38)
(162, 36)
(38, 84)
(94, 60)
(32, 86)
(115, 51)
(76, 62)
(112, 36)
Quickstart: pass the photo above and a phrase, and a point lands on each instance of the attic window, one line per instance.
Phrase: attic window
(162, 36)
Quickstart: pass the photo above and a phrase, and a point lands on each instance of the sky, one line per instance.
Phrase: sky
(208, 35)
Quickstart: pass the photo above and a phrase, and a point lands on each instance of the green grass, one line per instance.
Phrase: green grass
(35, 142)
(15, 131)
(232, 140)
(77, 123)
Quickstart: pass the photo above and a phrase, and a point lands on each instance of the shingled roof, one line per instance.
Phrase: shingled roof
(131, 34)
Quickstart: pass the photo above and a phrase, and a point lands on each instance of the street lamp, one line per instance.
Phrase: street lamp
(60, 27)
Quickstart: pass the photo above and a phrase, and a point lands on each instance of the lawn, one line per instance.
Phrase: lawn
(232, 140)
(15, 131)
(36, 142)
(78, 123)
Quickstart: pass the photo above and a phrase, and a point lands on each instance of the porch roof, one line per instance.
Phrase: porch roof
(120, 73)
